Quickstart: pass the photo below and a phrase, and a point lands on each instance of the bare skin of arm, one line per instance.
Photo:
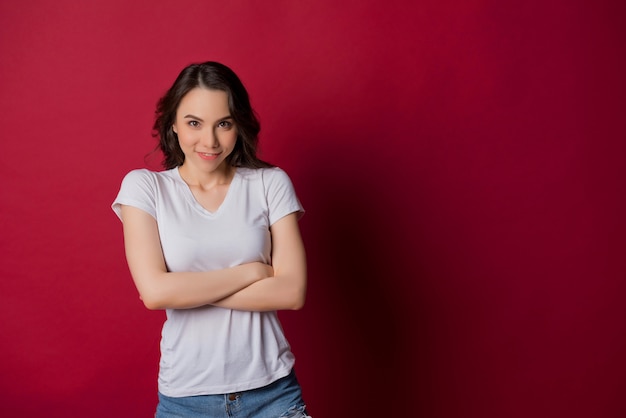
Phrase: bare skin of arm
(160, 289)
(286, 289)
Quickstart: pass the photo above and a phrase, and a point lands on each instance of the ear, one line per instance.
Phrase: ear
(174, 129)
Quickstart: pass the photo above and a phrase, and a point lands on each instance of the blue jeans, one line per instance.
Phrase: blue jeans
(280, 399)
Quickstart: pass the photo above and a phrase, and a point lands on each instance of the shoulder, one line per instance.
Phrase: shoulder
(274, 174)
(277, 177)
(138, 175)
(139, 188)
(269, 177)
(144, 173)
(144, 176)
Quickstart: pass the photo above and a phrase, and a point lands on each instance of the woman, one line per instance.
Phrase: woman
(214, 240)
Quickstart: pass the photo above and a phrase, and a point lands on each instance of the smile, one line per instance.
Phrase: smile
(208, 155)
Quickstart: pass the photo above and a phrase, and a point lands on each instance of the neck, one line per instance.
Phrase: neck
(223, 175)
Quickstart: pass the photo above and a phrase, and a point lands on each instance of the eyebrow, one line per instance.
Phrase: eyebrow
(201, 120)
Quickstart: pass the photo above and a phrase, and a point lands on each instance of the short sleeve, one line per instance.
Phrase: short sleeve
(137, 190)
(280, 194)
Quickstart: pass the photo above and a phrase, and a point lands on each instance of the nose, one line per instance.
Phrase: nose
(210, 139)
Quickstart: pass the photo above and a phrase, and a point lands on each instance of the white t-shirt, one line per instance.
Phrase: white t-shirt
(212, 350)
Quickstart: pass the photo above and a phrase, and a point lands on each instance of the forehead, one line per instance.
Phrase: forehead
(204, 102)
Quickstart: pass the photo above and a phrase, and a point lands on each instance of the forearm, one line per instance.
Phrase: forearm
(269, 294)
(163, 290)
(160, 289)
(286, 287)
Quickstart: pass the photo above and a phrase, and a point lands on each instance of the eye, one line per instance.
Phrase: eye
(193, 123)
(225, 124)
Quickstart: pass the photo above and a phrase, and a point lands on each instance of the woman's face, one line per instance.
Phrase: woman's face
(206, 130)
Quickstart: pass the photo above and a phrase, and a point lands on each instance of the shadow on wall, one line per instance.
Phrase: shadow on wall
(366, 359)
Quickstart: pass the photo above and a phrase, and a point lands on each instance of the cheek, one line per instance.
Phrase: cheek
(184, 143)
(185, 137)
(231, 139)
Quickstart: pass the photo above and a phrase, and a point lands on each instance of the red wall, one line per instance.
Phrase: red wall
(462, 164)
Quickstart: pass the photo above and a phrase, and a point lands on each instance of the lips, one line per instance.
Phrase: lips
(209, 155)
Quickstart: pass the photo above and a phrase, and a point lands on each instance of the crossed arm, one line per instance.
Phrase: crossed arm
(251, 287)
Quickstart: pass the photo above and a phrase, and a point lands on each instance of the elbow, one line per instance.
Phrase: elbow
(297, 300)
(157, 293)
(297, 306)
(297, 295)
(151, 291)
(152, 301)
(153, 306)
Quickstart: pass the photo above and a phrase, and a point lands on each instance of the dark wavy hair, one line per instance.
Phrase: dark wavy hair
(214, 76)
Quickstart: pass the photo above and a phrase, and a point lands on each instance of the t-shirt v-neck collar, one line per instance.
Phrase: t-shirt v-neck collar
(194, 202)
